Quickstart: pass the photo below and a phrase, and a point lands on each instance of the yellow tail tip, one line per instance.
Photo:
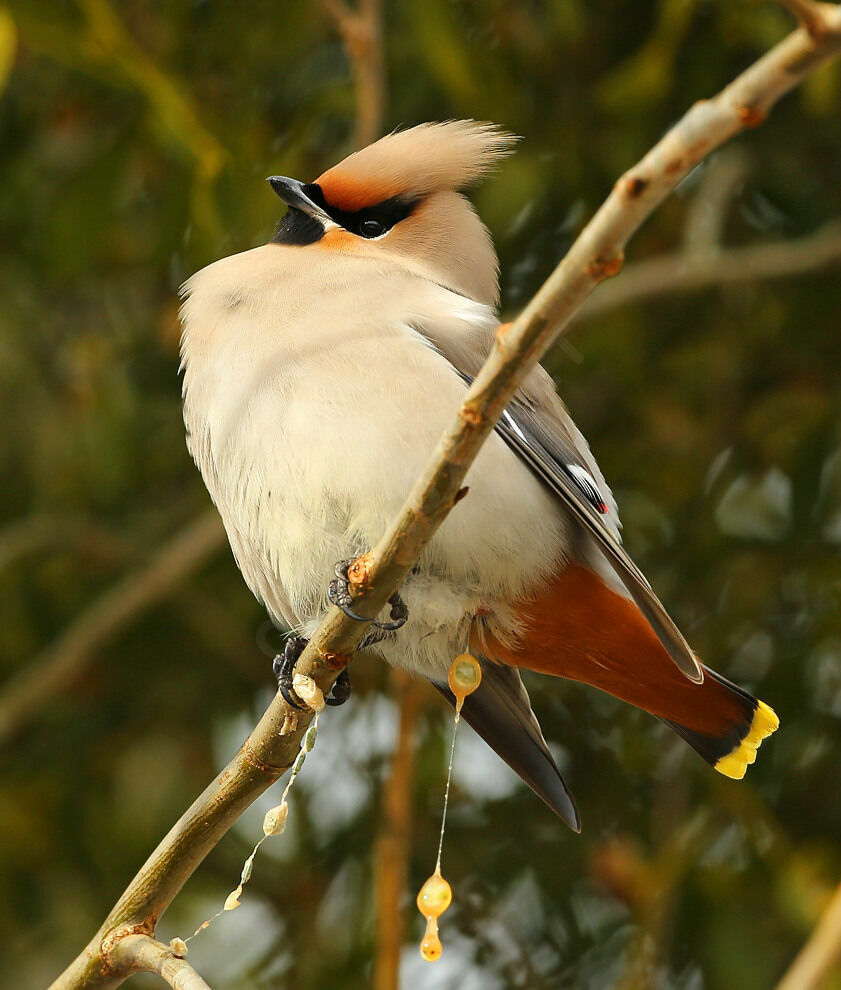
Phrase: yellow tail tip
(764, 722)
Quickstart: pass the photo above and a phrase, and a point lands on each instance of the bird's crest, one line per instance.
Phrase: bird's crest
(416, 162)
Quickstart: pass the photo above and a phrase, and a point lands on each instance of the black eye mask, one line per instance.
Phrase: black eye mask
(371, 221)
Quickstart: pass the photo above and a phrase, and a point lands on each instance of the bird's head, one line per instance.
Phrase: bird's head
(400, 198)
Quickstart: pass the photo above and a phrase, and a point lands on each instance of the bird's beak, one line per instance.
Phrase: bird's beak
(291, 191)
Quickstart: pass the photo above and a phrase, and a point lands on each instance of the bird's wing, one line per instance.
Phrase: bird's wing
(500, 711)
(544, 438)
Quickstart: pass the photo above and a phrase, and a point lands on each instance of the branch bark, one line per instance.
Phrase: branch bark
(145, 954)
(596, 255)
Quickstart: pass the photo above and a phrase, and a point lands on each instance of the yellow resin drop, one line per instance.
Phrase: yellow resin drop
(431, 948)
(464, 677)
(434, 897)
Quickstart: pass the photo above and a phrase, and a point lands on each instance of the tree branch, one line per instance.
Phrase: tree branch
(34, 534)
(815, 17)
(55, 668)
(822, 949)
(703, 261)
(361, 32)
(391, 854)
(690, 272)
(596, 255)
(142, 953)
(706, 215)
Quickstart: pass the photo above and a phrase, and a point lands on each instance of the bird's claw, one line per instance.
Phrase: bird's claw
(338, 591)
(283, 666)
(341, 690)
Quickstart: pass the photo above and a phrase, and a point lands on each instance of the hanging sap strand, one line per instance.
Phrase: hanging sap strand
(436, 895)
(274, 822)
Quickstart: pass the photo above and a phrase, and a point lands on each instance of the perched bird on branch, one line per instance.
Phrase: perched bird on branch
(321, 369)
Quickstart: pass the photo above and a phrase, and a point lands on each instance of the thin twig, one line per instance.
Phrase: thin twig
(144, 954)
(361, 31)
(813, 16)
(37, 533)
(596, 255)
(706, 215)
(57, 667)
(684, 272)
(820, 952)
(391, 853)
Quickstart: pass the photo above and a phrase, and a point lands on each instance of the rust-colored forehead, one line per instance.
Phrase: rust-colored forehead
(351, 193)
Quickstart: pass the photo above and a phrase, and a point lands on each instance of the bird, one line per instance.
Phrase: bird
(319, 371)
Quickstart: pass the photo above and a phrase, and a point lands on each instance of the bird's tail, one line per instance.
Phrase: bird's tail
(581, 629)
(733, 747)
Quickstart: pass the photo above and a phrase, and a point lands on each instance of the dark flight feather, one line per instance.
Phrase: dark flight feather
(500, 712)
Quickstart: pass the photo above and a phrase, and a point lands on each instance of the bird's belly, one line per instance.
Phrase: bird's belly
(312, 470)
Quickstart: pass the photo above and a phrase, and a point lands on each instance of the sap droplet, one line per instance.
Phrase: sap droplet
(430, 947)
(309, 738)
(464, 677)
(434, 897)
(308, 691)
(275, 820)
(232, 900)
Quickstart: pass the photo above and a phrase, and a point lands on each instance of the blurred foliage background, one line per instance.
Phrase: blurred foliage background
(135, 140)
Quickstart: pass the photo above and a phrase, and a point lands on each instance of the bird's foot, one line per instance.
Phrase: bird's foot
(338, 591)
(341, 689)
(283, 667)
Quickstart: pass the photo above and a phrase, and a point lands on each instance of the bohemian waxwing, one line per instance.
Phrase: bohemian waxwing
(320, 371)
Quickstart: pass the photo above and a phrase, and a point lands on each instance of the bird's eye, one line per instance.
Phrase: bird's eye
(371, 228)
